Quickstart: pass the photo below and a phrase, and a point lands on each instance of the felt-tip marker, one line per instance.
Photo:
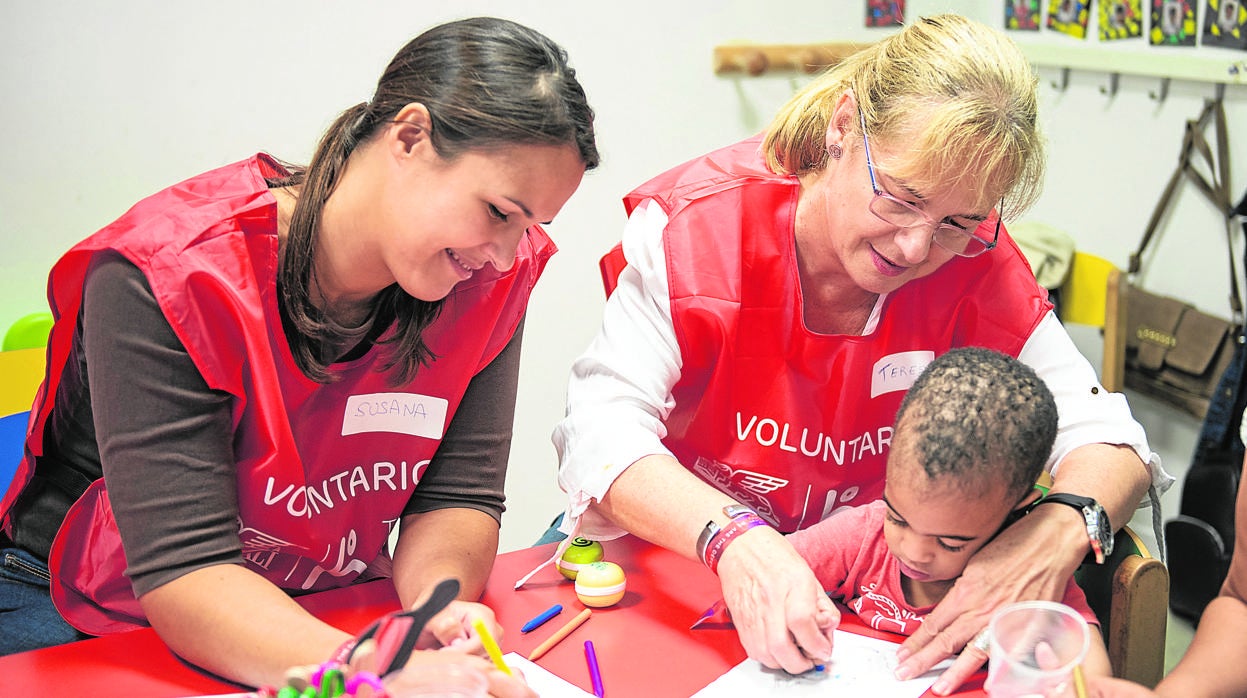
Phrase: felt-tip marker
(595, 672)
(542, 617)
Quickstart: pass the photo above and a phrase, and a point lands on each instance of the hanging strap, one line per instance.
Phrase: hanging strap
(1217, 191)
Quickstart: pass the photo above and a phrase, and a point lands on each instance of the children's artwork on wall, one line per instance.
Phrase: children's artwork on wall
(885, 13)
(1224, 22)
(1069, 17)
(1022, 15)
(1173, 23)
(1121, 19)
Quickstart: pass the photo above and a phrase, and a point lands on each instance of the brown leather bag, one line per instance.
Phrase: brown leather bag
(1176, 353)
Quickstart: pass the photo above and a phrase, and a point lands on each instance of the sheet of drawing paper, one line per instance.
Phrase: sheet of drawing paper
(1121, 19)
(542, 681)
(1225, 24)
(1022, 15)
(1173, 23)
(1069, 17)
(860, 666)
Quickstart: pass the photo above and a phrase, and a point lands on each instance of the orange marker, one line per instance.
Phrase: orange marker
(559, 634)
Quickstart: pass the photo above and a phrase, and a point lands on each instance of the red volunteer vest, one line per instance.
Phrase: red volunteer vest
(324, 471)
(792, 422)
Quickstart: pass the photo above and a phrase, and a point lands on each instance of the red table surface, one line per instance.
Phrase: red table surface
(644, 645)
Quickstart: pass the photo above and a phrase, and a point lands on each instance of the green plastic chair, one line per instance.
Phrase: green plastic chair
(28, 332)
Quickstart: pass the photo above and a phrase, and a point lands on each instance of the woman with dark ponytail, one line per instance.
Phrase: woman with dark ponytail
(258, 374)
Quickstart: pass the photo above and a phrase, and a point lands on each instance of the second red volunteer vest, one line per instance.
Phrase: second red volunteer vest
(789, 421)
(324, 470)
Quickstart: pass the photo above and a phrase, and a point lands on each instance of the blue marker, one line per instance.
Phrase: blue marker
(545, 616)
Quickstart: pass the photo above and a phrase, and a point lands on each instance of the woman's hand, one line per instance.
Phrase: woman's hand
(781, 613)
(452, 628)
(1029, 560)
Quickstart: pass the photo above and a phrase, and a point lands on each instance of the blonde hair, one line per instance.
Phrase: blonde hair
(954, 101)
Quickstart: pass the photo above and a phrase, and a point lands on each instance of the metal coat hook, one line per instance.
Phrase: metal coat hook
(1064, 83)
(1160, 93)
(1111, 88)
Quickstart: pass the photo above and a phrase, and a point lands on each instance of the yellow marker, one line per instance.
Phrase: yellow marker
(1080, 683)
(491, 647)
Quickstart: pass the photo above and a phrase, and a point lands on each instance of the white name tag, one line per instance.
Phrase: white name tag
(898, 371)
(398, 413)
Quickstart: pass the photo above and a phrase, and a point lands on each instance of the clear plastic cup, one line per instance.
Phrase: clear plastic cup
(437, 680)
(1034, 648)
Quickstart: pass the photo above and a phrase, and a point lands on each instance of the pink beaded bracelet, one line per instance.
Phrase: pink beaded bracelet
(727, 534)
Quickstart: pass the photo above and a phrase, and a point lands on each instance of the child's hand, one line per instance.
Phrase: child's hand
(424, 666)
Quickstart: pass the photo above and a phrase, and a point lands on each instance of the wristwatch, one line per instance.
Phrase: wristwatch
(1098, 528)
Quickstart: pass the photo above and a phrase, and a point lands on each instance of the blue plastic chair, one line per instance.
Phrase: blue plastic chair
(12, 437)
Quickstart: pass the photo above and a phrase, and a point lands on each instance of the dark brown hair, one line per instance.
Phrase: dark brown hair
(486, 83)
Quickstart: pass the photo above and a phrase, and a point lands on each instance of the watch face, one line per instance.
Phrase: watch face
(1099, 530)
(1104, 530)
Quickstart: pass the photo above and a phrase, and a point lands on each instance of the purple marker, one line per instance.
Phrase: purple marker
(595, 674)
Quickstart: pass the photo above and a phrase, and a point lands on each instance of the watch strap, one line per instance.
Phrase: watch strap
(1099, 530)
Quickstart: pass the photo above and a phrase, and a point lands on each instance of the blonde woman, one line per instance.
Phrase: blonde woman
(781, 295)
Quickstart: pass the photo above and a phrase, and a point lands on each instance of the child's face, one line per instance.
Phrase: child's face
(933, 529)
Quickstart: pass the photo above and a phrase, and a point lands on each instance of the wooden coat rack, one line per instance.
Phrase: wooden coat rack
(756, 59)
(1220, 69)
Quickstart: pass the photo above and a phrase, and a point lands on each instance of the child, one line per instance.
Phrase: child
(972, 435)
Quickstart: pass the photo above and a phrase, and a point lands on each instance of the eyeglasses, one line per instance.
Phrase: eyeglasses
(891, 210)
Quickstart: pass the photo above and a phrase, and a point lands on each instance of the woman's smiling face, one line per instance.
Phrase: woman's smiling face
(471, 211)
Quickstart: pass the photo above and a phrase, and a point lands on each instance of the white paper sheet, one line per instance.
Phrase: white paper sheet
(545, 683)
(860, 666)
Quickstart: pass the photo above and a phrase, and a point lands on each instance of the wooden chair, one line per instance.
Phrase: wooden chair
(1094, 294)
(1130, 595)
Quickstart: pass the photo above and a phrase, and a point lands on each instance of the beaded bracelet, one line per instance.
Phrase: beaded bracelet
(727, 534)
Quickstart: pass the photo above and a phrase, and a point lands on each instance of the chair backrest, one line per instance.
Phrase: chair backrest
(1130, 595)
(21, 372)
(1092, 295)
(28, 331)
(12, 440)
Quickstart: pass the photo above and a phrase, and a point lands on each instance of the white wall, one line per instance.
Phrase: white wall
(107, 102)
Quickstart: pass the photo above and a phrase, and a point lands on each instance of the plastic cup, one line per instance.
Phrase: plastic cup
(1034, 648)
(437, 681)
